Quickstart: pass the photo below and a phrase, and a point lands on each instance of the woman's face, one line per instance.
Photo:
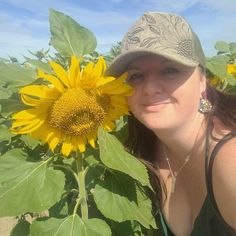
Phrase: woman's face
(166, 93)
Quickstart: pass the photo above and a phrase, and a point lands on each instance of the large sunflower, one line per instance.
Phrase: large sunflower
(69, 109)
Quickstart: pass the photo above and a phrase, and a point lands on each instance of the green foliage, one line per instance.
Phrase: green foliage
(72, 225)
(114, 156)
(103, 191)
(21, 229)
(217, 67)
(14, 75)
(36, 185)
(68, 37)
(127, 201)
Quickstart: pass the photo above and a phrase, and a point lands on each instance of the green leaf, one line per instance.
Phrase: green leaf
(14, 75)
(21, 229)
(222, 46)
(218, 65)
(27, 186)
(5, 93)
(60, 209)
(70, 226)
(29, 141)
(11, 105)
(113, 155)
(5, 135)
(68, 37)
(39, 65)
(127, 201)
(232, 47)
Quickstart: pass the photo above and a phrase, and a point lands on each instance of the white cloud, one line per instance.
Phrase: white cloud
(20, 32)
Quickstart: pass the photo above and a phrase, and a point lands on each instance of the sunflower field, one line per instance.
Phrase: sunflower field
(63, 166)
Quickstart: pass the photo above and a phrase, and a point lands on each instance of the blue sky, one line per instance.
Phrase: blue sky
(24, 23)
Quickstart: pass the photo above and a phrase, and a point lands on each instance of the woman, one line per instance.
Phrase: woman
(182, 128)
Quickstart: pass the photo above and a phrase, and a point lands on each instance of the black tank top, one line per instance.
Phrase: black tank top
(209, 222)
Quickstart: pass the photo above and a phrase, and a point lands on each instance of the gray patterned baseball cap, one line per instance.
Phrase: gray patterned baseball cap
(164, 34)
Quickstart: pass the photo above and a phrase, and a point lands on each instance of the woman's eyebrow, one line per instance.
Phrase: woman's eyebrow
(133, 68)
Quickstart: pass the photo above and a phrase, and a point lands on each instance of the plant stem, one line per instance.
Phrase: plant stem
(82, 200)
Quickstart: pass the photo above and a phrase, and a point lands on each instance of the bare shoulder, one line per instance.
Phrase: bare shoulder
(224, 181)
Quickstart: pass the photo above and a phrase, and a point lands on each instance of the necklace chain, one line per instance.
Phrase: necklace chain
(175, 173)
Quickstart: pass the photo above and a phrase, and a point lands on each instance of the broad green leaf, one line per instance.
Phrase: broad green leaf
(21, 229)
(128, 228)
(68, 37)
(39, 65)
(60, 209)
(232, 47)
(127, 201)
(27, 186)
(29, 141)
(11, 105)
(113, 155)
(5, 135)
(218, 65)
(222, 46)
(14, 75)
(70, 226)
(5, 93)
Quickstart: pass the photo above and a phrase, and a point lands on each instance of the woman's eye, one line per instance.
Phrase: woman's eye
(170, 71)
(133, 78)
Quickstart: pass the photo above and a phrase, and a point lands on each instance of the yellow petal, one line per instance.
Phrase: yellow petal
(60, 72)
(52, 79)
(30, 101)
(108, 125)
(81, 144)
(118, 100)
(231, 69)
(66, 147)
(117, 82)
(32, 126)
(40, 91)
(74, 72)
(122, 89)
(53, 141)
(87, 71)
(91, 139)
(28, 114)
(104, 80)
(98, 69)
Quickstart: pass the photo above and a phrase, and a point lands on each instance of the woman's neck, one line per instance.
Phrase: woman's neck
(185, 139)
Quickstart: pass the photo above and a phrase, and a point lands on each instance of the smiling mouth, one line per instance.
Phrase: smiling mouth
(154, 106)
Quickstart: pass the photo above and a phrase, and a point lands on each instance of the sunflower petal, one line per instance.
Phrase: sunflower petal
(108, 125)
(30, 101)
(81, 144)
(53, 141)
(66, 147)
(52, 79)
(60, 72)
(74, 72)
(30, 127)
(40, 91)
(91, 139)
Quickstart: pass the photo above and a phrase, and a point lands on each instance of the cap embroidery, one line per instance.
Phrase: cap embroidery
(170, 33)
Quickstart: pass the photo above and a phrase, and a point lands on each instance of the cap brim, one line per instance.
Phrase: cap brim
(121, 62)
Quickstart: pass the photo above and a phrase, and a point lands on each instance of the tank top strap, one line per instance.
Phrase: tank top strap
(208, 171)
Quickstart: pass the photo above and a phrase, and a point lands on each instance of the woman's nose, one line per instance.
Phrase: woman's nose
(152, 85)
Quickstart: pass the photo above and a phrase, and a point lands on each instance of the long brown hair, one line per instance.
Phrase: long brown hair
(142, 142)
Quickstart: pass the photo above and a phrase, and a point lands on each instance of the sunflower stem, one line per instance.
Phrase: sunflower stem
(82, 200)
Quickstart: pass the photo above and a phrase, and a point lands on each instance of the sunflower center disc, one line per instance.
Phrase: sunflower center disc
(79, 112)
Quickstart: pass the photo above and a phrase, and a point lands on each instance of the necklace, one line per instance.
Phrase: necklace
(174, 174)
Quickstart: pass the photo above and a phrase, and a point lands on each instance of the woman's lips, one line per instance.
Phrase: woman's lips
(153, 106)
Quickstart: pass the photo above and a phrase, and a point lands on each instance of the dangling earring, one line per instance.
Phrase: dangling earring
(205, 105)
